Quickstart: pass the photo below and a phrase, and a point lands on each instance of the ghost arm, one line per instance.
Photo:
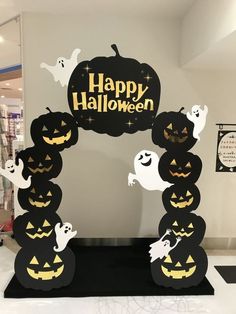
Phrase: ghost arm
(176, 243)
(189, 116)
(205, 109)
(20, 165)
(168, 231)
(131, 178)
(74, 55)
(51, 68)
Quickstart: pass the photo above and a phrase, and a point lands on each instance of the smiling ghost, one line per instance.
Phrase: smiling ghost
(146, 172)
(198, 117)
(63, 68)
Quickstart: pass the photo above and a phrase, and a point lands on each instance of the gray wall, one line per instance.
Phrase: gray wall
(96, 197)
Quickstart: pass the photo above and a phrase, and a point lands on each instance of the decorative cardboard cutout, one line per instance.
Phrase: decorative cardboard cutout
(198, 117)
(54, 129)
(180, 167)
(63, 68)
(146, 172)
(13, 173)
(63, 235)
(44, 269)
(114, 95)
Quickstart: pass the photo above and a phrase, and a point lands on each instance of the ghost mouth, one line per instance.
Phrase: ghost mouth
(178, 274)
(45, 275)
(182, 204)
(40, 170)
(38, 203)
(148, 163)
(39, 235)
(197, 115)
(179, 175)
(12, 171)
(57, 140)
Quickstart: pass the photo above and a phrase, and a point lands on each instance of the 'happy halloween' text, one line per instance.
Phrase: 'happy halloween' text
(101, 103)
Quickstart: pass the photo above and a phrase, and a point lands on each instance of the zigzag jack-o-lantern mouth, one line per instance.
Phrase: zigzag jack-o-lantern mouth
(39, 235)
(179, 174)
(40, 170)
(183, 234)
(182, 204)
(38, 203)
(57, 140)
(178, 273)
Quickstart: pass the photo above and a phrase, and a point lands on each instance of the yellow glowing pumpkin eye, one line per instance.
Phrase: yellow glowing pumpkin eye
(175, 223)
(168, 259)
(170, 126)
(46, 223)
(49, 193)
(63, 123)
(34, 261)
(33, 191)
(48, 157)
(29, 225)
(173, 163)
(57, 260)
(185, 131)
(188, 165)
(173, 195)
(44, 128)
(188, 193)
(190, 225)
(189, 260)
(30, 159)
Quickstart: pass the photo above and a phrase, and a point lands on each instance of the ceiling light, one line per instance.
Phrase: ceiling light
(7, 84)
(2, 96)
(1, 39)
(20, 89)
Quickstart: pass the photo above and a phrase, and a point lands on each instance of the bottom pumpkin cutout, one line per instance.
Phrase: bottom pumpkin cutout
(181, 268)
(45, 269)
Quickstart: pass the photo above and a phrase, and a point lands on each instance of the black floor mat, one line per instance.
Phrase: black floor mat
(228, 273)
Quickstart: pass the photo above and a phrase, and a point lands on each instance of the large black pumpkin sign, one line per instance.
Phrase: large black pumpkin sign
(180, 167)
(173, 131)
(55, 129)
(181, 197)
(114, 95)
(44, 269)
(183, 267)
(190, 227)
(43, 163)
(41, 196)
(36, 229)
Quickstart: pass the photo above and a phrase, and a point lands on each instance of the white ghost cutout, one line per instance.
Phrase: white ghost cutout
(63, 68)
(146, 172)
(13, 173)
(161, 248)
(63, 235)
(198, 117)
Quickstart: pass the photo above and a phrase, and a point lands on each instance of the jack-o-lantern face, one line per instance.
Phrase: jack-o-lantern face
(180, 167)
(182, 268)
(55, 129)
(184, 197)
(33, 229)
(44, 196)
(44, 269)
(190, 227)
(41, 163)
(173, 131)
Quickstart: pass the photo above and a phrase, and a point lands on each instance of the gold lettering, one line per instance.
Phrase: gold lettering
(83, 102)
(139, 107)
(93, 85)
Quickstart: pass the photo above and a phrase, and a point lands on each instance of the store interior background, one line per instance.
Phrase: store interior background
(191, 45)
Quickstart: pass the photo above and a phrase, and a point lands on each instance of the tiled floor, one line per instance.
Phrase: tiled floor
(224, 300)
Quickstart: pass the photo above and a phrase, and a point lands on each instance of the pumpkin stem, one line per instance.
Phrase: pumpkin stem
(181, 109)
(47, 108)
(114, 47)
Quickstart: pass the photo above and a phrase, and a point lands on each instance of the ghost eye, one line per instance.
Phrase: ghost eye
(46, 223)
(188, 165)
(30, 159)
(188, 193)
(33, 191)
(170, 126)
(185, 131)
(63, 123)
(173, 163)
(48, 157)
(57, 259)
(44, 128)
(168, 260)
(175, 223)
(190, 225)
(147, 155)
(49, 193)
(29, 226)
(189, 260)
(141, 157)
(34, 261)
(173, 195)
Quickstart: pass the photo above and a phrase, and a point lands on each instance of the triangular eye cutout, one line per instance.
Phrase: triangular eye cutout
(34, 261)
(173, 163)
(168, 259)
(63, 123)
(49, 193)
(170, 126)
(175, 223)
(173, 195)
(33, 190)
(57, 260)
(29, 225)
(188, 193)
(30, 159)
(44, 128)
(190, 260)
(48, 157)
(190, 225)
(46, 223)
(185, 131)
(188, 165)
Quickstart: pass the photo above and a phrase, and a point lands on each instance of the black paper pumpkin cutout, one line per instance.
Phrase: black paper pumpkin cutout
(183, 267)
(40, 196)
(36, 229)
(180, 167)
(190, 227)
(181, 197)
(43, 163)
(105, 109)
(173, 131)
(55, 129)
(44, 269)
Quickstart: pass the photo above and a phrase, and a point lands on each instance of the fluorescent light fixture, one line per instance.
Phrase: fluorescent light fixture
(1, 39)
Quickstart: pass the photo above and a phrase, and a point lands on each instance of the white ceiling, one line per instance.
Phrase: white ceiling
(10, 89)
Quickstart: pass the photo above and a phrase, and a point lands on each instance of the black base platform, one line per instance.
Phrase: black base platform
(109, 271)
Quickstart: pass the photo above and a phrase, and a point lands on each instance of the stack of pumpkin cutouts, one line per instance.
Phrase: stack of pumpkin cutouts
(186, 264)
(37, 265)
